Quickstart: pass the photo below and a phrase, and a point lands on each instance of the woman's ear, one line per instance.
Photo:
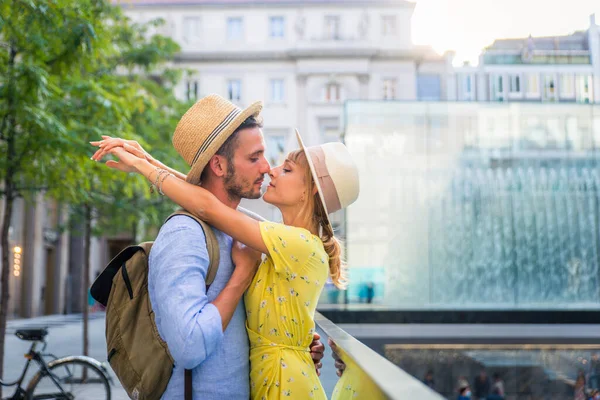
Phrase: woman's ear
(314, 189)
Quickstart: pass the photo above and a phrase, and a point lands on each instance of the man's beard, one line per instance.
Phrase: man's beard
(239, 189)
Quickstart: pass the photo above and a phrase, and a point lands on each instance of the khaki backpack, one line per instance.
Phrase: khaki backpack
(136, 352)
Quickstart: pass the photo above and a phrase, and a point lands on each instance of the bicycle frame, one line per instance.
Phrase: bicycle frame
(37, 357)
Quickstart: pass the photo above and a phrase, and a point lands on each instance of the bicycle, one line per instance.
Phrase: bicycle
(71, 377)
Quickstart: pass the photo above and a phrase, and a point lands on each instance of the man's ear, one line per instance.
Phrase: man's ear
(218, 165)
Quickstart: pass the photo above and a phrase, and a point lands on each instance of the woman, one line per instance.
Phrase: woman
(579, 392)
(301, 253)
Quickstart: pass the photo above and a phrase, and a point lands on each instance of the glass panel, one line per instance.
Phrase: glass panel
(509, 371)
(476, 205)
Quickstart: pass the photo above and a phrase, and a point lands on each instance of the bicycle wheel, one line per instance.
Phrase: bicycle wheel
(70, 378)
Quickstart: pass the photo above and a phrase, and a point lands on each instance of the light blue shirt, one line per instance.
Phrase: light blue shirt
(186, 319)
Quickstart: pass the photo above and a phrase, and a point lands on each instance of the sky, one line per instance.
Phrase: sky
(467, 26)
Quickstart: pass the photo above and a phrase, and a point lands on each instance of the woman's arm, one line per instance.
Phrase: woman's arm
(195, 200)
(107, 143)
(176, 173)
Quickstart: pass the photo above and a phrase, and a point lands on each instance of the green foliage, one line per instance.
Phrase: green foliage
(71, 71)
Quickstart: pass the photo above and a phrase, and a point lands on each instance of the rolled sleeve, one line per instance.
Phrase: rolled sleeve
(190, 325)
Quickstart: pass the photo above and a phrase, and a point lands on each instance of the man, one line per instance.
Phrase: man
(482, 385)
(204, 328)
(428, 380)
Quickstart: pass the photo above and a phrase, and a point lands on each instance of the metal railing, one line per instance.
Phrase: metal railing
(368, 374)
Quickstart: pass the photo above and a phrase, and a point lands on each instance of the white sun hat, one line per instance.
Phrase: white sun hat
(335, 174)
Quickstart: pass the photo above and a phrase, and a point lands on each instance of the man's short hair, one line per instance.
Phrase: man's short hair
(228, 148)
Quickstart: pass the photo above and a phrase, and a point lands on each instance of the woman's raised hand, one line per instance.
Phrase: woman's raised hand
(128, 161)
(108, 143)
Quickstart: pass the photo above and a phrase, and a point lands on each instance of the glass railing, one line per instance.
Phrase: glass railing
(368, 375)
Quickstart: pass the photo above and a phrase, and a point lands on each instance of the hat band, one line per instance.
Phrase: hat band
(326, 184)
(215, 133)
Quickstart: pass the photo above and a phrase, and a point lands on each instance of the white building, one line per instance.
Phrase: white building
(546, 69)
(302, 58)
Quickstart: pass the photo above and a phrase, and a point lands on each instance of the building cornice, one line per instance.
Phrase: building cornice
(161, 4)
(297, 54)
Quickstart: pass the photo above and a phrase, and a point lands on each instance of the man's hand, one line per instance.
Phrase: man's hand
(340, 366)
(317, 351)
(246, 262)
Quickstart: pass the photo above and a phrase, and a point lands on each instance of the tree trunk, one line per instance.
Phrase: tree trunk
(8, 133)
(8, 206)
(86, 279)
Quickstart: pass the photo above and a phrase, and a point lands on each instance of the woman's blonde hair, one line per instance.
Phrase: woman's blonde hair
(314, 216)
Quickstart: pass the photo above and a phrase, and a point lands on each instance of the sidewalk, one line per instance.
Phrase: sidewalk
(65, 337)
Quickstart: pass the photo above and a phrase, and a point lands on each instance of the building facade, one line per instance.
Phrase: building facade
(46, 259)
(540, 69)
(303, 59)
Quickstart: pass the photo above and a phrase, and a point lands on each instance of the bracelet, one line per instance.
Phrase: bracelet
(160, 172)
(161, 183)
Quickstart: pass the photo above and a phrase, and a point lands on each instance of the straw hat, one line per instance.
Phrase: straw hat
(334, 173)
(205, 127)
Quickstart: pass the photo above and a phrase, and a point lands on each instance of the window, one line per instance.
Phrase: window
(515, 84)
(567, 86)
(192, 90)
(389, 89)
(235, 28)
(191, 29)
(388, 25)
(277, 27)
(332, 27)
(333, 93)
(429, 87)
(330, 134)
(533, 85)
(584, 90)
(468, 85)
(549, 87)
(275, 147)
(497, 88)
(234, 89)
(277, 91)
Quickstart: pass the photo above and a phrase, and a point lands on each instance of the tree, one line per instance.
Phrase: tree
(62, 85)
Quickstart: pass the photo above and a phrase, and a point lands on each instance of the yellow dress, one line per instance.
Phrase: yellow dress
(280, 308)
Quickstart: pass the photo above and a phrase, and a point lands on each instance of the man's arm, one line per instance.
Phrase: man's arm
(191, 325)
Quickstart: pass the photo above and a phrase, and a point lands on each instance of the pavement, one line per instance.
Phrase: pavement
(66, 338)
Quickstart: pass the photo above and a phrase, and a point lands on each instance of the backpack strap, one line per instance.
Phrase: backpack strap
(188, 384)
(212, 245)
